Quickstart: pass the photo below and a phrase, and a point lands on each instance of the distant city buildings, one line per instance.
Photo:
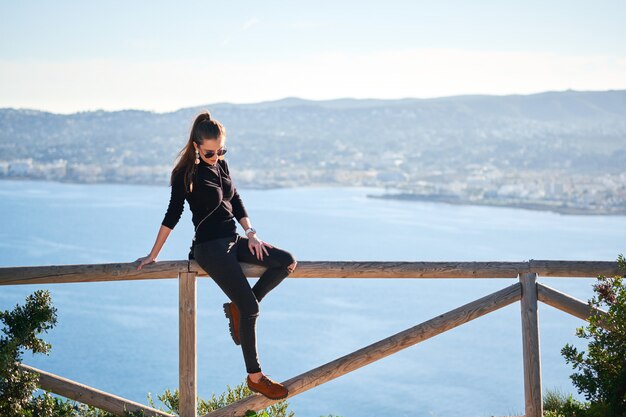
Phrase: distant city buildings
(562, 151)
(550, 190)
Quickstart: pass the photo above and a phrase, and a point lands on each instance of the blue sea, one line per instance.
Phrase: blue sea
(122, 337)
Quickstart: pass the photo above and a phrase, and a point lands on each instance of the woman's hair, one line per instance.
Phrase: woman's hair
(203, 128)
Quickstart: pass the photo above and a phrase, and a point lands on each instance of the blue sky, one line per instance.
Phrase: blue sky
(66, 56)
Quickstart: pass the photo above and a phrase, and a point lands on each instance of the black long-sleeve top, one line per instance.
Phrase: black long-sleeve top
(207, 195)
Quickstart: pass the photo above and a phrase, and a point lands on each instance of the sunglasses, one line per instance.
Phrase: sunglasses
(219, 152)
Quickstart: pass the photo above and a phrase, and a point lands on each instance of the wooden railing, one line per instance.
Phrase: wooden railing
(527, 290)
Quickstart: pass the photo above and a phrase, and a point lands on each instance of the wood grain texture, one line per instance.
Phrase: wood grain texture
(380, 349)
(88, 395)
(364, 269)
(56, 274)
(567, 303)
(530, 346)
(578, 269)
(187, 347)
(310, 269)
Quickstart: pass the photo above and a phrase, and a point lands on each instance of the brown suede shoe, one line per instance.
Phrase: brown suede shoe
(271, 389)
(232, 314)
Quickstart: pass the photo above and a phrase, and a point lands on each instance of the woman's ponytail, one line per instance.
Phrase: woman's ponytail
(203, 128)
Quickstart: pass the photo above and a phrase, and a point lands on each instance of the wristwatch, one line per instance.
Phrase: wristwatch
(250, 230)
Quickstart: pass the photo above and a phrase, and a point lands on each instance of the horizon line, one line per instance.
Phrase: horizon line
(296, 98)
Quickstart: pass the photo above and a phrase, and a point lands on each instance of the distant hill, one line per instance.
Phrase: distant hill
(570, 130)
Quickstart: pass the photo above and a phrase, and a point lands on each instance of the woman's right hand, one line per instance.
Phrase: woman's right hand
(145, 261)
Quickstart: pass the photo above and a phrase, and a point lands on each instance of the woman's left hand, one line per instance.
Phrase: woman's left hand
(257, 246)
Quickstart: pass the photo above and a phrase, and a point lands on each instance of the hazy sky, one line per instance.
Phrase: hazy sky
(66, 56)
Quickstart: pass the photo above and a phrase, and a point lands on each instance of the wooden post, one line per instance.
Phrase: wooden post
(187, 350)
(530, 344)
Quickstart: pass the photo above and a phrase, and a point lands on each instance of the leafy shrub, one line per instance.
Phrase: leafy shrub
(21, 328)
(601, 375)
(171, 401)
(558, 404)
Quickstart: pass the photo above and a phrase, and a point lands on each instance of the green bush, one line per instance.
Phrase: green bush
(21, 328)
(171, 401)
(601, 371)
(558, 404)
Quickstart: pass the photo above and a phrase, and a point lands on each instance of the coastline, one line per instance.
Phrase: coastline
(560, 209)
(555, 207)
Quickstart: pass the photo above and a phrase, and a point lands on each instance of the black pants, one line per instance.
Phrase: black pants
(220, 259)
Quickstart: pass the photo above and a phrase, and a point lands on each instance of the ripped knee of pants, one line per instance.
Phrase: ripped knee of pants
(292, 267)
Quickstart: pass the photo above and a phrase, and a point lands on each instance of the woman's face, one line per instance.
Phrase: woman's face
(210, 145)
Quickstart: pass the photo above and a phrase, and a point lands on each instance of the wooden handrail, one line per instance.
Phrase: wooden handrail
(57, 274)
(588, 269)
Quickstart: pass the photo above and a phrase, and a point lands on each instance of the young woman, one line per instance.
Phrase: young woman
(201, 177)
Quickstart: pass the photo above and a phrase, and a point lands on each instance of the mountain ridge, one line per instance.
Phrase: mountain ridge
(351, 103)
